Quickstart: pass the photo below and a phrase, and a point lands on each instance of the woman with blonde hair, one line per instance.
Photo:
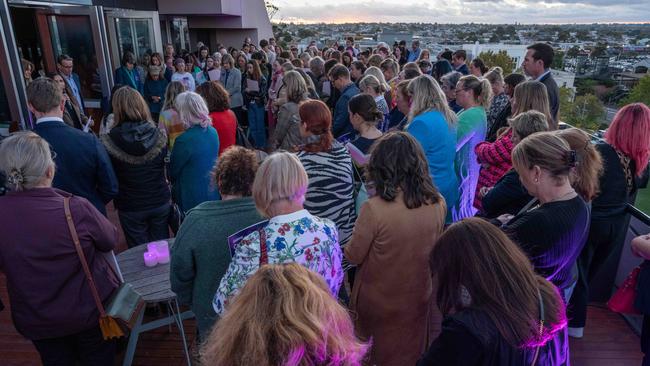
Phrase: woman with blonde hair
(369, 84)
(286, 135)
(474, 95)
(433, 125)
(589, 164)
(284, 315)
(195, 153)
(169, 120)
(294, 234)
(508, 195)
(553, 232)
(499, 97)
(138, 150)
(494, 157)
(376, 72)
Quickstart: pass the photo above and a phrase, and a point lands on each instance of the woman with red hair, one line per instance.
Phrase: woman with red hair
(329, 167)
(625, 159)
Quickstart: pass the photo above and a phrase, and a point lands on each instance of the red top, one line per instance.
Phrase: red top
(225, 123)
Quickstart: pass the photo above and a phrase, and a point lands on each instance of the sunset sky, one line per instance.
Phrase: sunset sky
(461, 11)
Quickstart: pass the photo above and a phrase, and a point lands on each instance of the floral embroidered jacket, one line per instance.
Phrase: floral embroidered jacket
(297, 237)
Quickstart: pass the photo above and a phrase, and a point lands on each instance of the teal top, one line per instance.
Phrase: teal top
(200, 255)
(472, 126)
(193, 157)
(438, 140)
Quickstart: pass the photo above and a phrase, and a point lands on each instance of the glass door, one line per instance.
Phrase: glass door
(132, 31)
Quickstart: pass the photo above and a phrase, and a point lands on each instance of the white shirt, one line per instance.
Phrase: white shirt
(48, 119)
(543, 75)
(186, 78)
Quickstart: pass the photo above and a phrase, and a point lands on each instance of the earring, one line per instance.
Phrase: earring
(536, 180)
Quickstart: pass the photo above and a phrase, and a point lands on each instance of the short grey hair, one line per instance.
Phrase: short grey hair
(451, 78)
(192, 109)
(25, 158)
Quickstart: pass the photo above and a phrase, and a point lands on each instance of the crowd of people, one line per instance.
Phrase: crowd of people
(387, 184)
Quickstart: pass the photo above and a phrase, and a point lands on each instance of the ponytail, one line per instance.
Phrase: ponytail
(365, 106)
(485, 96)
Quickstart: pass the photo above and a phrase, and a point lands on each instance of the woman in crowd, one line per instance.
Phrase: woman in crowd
(73, 115)
(376, 72)
(499, 98)
(204, 75)
(510, 82)
(292, 234)
(393, 237)
(192, 65)
(403, 105)
(553, 233)
(625, 159)
(223, 119)
(274, 87)
(498, 310)
(231, 79)
(494, 157)
(201, 254)
(589, 164)
(154, 91)
(28, 70)
(138, 150)
(51, 303)
(365, 116)
(182, 75)
(508, 195)
(169, 120)
(307, 324)
(373, 87)
(241, 63)
(474, 96)
(374, 60)
(357, 69)
(255, 97)
(311, 88)
(449, 82)
(477, 67)
(127, 75)
(433, 125)
(346, 59)
(286, 135)
(440, 68)
(329, 167)
(195, 153)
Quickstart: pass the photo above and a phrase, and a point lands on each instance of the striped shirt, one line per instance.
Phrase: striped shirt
(330, 193)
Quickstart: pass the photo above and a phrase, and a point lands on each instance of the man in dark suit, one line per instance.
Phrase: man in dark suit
(65, 64)
(459, 62)
(83, 167)
(537, 65)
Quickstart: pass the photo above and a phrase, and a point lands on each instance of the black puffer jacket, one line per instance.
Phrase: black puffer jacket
(137, 151)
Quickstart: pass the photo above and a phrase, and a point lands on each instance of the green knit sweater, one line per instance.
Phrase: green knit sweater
(200, 254)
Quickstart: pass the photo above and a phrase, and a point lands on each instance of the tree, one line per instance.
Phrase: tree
(500, 59)
(586, 111)
(304, 33)
(573, 51)
(640, 93)
(558, 60)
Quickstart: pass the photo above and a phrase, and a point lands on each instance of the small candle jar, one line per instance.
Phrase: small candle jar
(150, 259)
(162, 256)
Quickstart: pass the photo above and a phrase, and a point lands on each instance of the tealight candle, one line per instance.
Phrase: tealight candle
(150, 259)
(162, 251)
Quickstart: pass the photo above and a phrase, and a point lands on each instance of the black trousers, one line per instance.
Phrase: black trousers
(145, 226)
(605, 239)
(242, 117)
(645, 340)
(84, 348)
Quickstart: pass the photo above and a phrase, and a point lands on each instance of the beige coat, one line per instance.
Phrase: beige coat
(392, 292)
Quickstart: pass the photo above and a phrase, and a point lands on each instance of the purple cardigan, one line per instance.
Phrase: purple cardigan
(48, 291)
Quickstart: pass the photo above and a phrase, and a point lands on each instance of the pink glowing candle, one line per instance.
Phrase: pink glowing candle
(150, 259)
(162, 251)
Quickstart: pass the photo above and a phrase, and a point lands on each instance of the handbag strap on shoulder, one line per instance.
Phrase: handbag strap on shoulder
(82, 257)
(264, 256)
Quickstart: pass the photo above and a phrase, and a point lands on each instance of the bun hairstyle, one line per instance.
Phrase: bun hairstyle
(495, 75)
(25, 159)
(365, 106)
(481, 88)
(547, 151)
(478, 63)
(370, 81)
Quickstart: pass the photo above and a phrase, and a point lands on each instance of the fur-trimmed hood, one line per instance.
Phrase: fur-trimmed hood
(135, 142)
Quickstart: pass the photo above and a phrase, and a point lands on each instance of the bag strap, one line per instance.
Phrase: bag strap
(264, 256)
(82, 257)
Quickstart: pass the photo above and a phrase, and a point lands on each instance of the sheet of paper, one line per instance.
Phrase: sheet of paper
(215, 74)
(252, 85)
(236, 238)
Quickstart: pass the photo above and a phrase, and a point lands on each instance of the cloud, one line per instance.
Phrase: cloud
(463, 11)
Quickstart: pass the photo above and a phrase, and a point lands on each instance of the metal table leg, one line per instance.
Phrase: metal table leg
(178, 317)
(133, 340)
